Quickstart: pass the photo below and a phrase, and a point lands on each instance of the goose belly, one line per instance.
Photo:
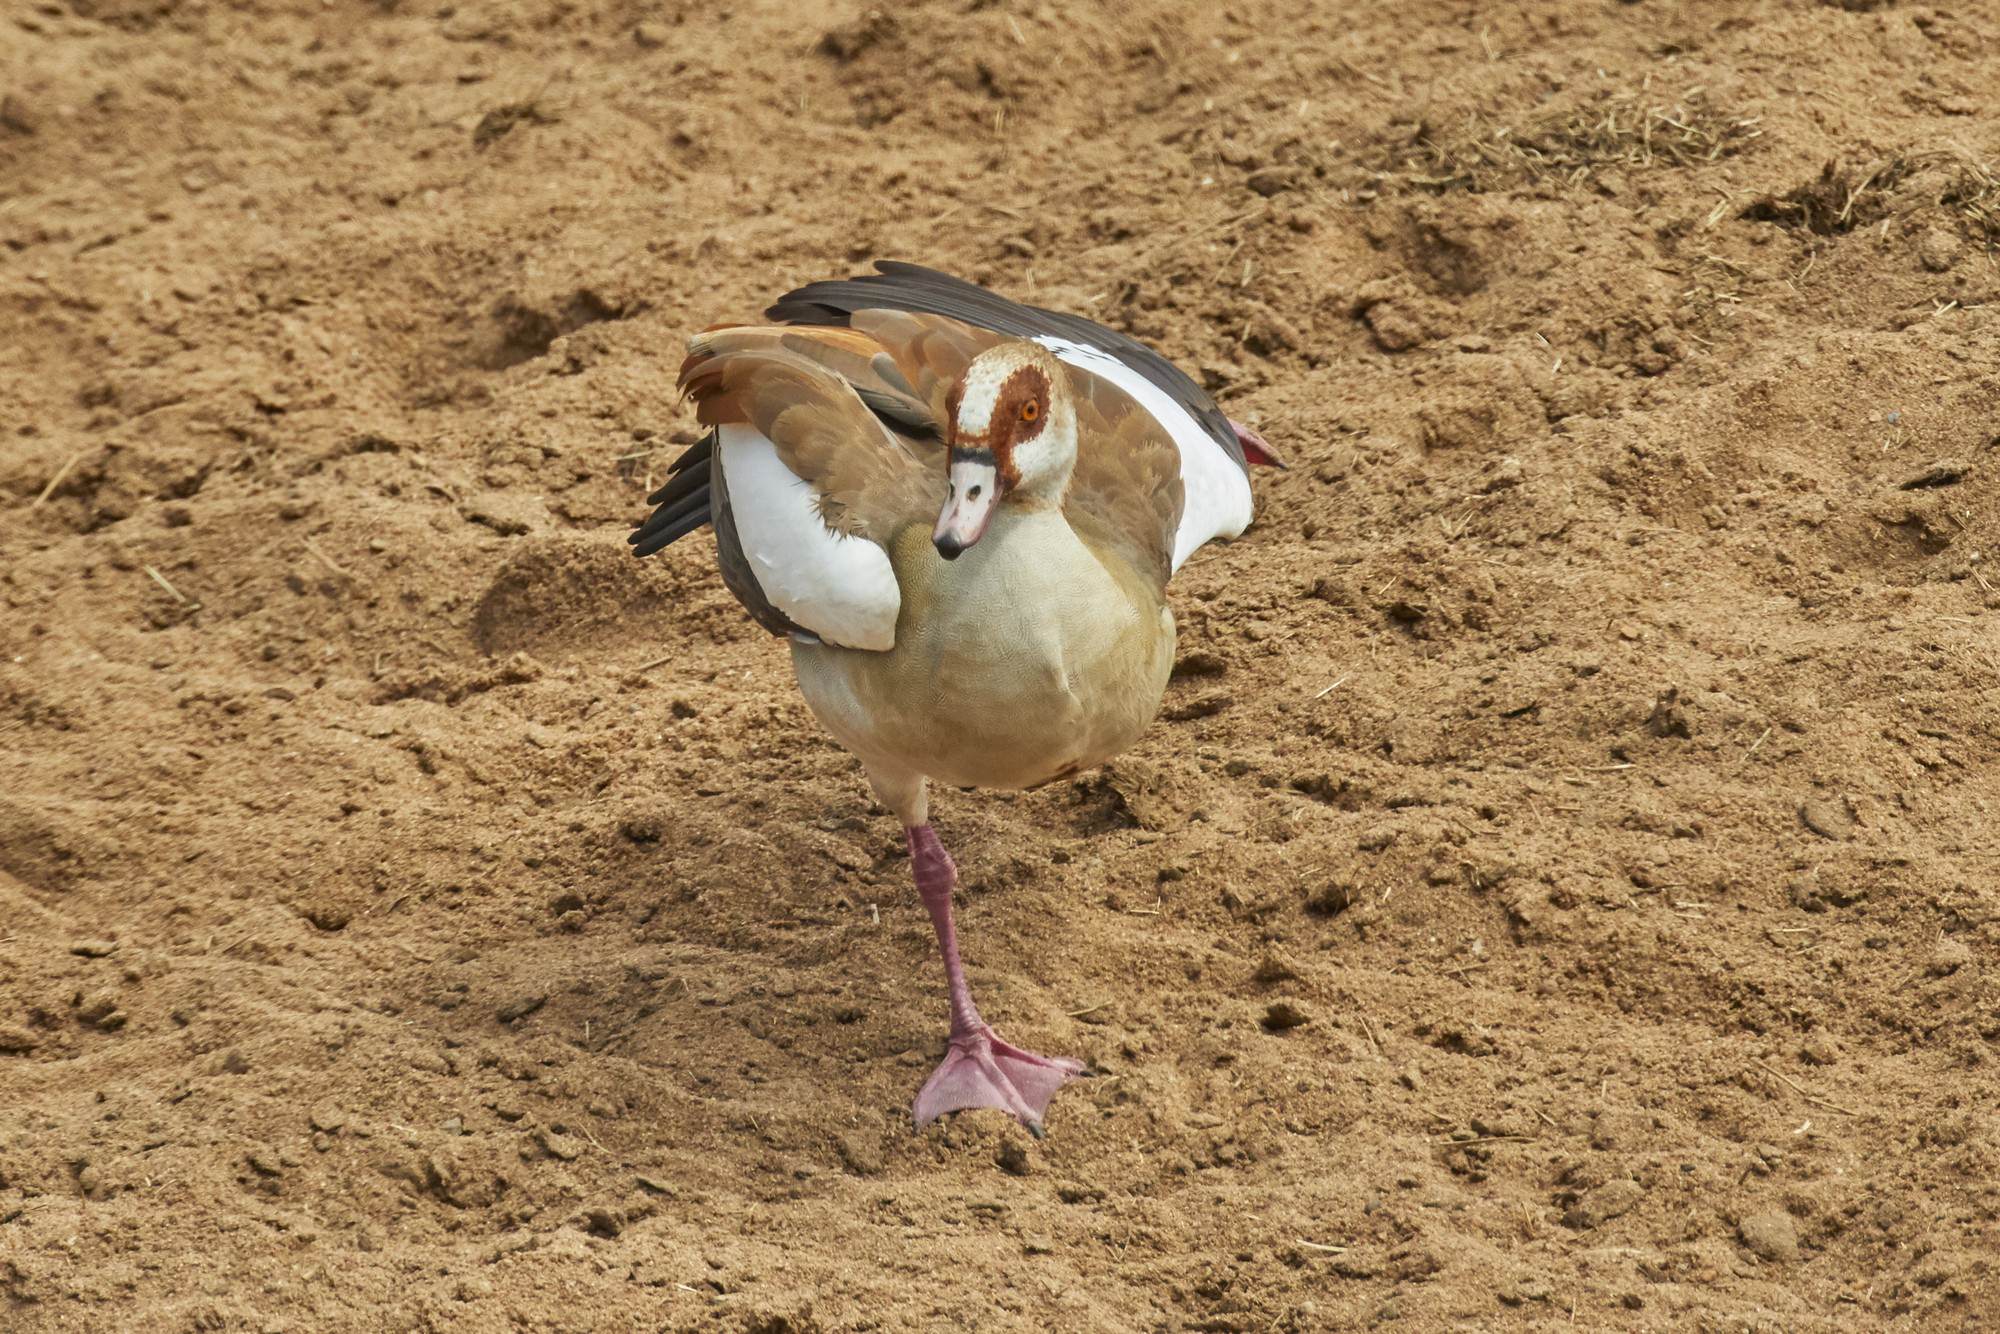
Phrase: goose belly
(1025, 660)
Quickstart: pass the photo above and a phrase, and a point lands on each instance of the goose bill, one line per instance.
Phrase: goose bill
(975, 494)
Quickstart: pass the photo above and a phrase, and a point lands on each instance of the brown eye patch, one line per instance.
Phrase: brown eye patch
(1021, 401)
(1018, 415)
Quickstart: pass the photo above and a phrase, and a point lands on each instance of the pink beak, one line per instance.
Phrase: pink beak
(975, 494)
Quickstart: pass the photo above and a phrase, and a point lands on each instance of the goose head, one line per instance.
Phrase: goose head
(1011, 430)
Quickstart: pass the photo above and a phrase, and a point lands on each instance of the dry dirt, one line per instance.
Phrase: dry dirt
(1562, 889)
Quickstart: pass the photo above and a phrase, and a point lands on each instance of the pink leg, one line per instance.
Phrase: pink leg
(979, 1069)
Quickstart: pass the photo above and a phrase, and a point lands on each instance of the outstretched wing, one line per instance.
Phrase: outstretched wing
(828, 440)
(1214, 499)
(896, 285)
(826, 400)
(821, 452)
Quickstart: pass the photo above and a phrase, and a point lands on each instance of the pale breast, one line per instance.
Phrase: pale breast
(1027, 658)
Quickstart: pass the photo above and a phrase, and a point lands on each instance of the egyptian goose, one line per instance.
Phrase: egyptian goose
(963, 513)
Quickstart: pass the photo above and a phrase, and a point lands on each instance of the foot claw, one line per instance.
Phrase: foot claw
(981, 1070)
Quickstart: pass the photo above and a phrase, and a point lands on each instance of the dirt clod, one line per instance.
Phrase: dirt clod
(861, 1152)
(1273, 969)
(1939, 249)
(1829, 816)
(1771, 1235)
(1601, 1204)
(1284, 1015)
(1948, 956)
(521, 1007)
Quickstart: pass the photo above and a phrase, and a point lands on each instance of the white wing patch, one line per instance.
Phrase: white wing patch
(1216, 492)
(840, 588)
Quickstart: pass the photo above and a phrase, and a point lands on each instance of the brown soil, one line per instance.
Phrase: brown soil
(1563, 886)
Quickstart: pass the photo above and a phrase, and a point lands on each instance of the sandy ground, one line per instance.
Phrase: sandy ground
(1563, 887)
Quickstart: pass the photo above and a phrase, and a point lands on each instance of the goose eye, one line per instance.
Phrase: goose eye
(1030, 410)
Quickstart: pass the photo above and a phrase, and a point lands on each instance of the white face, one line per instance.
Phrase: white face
(986, 379)
(975, 494)
(1009, 433)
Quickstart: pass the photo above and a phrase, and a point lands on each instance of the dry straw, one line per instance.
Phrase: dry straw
(1569, 145)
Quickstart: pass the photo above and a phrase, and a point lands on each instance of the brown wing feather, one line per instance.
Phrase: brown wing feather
(1127, 490)
(802, 390)
(930, 351)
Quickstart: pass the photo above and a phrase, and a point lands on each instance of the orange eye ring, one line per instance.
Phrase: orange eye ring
(1030, 410)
